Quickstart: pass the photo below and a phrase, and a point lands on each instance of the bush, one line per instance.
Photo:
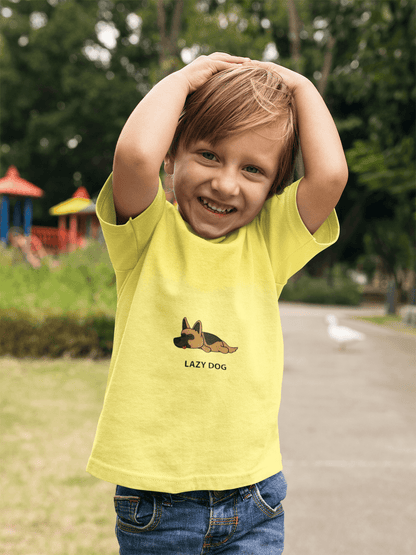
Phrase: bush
(55, 311)
(21, 335)
(83, 282)
(307, 289)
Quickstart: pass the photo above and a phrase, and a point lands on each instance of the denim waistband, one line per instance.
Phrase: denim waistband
(203, 497)
(206, 497)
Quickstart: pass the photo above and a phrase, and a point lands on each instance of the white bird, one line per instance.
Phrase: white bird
(342, 334)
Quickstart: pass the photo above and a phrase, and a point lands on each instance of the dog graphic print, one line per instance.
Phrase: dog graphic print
(195, 338)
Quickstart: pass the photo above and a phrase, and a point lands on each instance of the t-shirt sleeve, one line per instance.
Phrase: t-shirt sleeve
(289, 242)
(126, 242)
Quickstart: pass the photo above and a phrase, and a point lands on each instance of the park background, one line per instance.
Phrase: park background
(71, 73)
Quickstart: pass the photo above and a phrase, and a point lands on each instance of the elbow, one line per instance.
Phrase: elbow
(340, 179)
(337, 178)
(342, 171)
(343, 178)
(126, 152)
(335, 185)
(131, 158)
(331, 184)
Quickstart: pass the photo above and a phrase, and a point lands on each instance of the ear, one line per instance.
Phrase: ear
(185, 324)
(198, 327)
(169, 164)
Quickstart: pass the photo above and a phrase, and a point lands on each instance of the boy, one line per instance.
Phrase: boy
(188, 429)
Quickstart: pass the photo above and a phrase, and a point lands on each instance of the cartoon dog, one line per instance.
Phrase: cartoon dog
(195, 338)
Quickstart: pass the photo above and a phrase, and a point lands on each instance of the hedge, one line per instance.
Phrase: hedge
(22, 335)
(308, 289)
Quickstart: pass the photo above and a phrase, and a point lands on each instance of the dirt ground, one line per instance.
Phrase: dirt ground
(347, 425)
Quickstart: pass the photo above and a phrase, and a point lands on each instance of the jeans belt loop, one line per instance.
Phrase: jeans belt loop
(246, 492)
(167, 500)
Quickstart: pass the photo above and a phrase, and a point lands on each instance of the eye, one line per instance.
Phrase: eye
(208, 155)
(252, 169)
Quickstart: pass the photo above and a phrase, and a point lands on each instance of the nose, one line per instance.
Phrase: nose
(226, 182)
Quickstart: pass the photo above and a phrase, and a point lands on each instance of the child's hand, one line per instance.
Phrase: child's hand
(201, 69)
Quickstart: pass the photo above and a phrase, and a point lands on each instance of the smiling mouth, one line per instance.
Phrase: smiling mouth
(215, 209)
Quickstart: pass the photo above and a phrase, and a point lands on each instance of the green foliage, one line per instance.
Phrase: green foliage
(372, 91)
(395, 322)
(53, 91)
(56, 311)
(338, 290)
(229, 26)
(393, 244)
(83, 283)
(392, 170)
(22, 335)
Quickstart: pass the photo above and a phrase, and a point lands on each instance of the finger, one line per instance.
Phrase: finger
(257, 63)
(230, 58)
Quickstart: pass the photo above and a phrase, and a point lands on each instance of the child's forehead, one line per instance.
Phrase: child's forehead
(273, 132)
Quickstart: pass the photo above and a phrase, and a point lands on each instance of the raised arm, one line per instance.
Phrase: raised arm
(326, 170)
(148, 133)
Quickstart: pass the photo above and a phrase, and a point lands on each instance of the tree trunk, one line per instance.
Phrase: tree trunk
(161, 23)
(294, 37)
(169, 53)
(327, 65)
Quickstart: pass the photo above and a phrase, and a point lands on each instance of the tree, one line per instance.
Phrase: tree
(366, 51)
(72, 71)
(66, 92)
(382, 154)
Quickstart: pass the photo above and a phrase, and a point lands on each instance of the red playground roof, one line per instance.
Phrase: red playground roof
(81, 192)
(13, 184)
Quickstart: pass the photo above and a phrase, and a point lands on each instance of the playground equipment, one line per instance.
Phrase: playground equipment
(31, 247)
(37, 241)
(13, 187)
(83, 221)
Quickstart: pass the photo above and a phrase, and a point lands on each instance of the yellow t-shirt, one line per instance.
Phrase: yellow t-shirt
(194, 384)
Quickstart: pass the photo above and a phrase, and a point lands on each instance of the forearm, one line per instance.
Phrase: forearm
(147, 134)
(321, 147)
(326, 170)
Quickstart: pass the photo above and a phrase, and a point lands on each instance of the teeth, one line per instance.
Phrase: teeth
(215, 209)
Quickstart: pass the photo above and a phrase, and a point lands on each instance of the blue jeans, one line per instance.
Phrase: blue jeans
(247, 520)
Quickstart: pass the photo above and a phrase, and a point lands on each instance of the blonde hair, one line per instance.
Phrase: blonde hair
(235, 100)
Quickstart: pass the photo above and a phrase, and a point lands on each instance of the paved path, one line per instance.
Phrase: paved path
(347, 425)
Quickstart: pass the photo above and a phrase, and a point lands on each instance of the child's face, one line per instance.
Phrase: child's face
(222, 188)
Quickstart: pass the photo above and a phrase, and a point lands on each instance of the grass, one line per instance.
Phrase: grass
(49, 504)
(390, 321)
